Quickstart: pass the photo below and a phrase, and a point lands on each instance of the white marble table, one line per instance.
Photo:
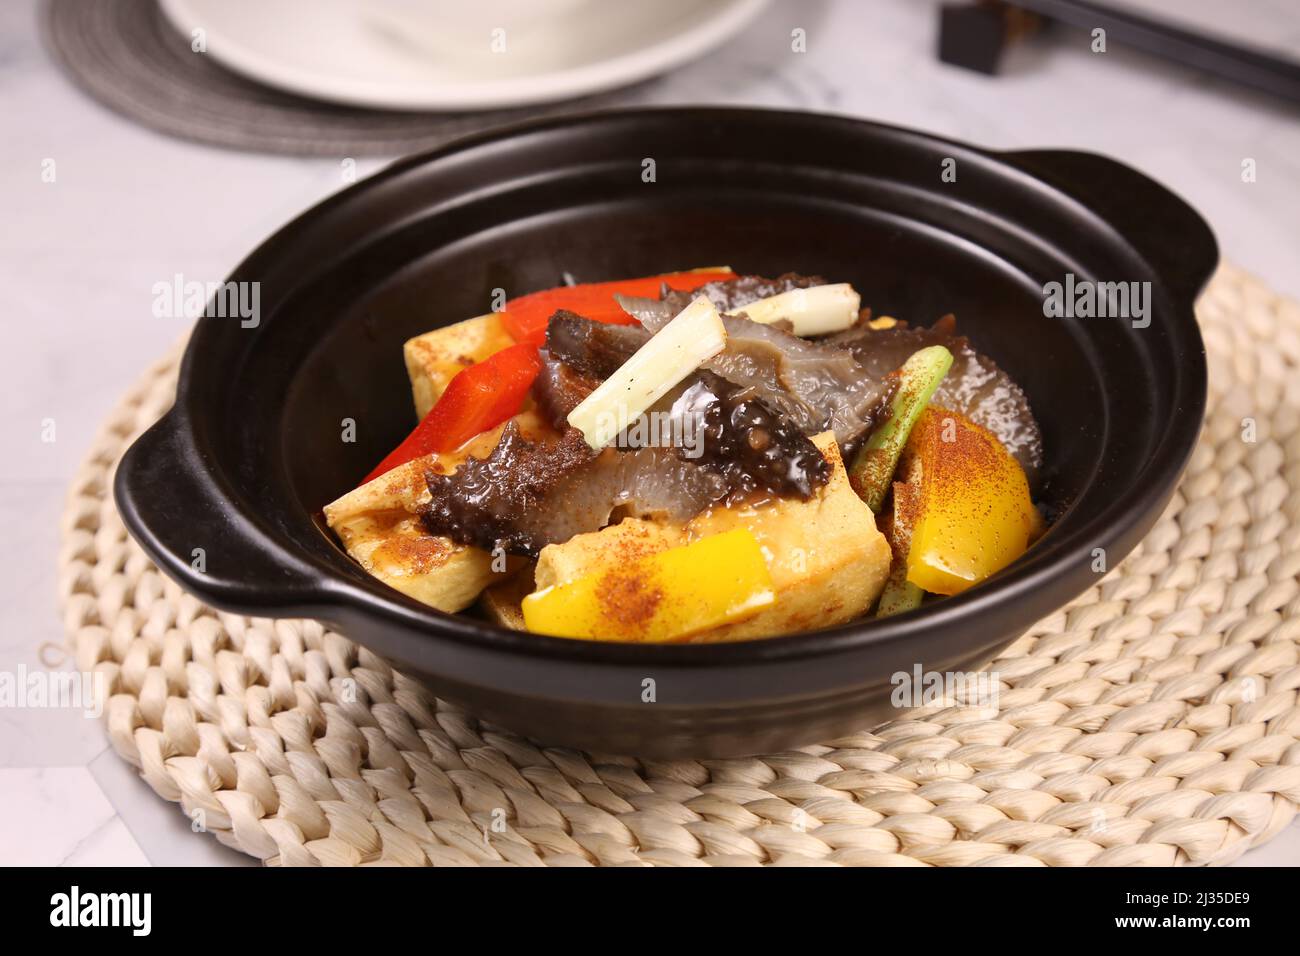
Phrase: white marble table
(78, 258)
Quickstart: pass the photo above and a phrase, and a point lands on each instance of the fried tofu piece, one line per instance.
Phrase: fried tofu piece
(628, 540)
(827, 559)
(379, 526)
(432, 359)
(500, 603)
(393, 547)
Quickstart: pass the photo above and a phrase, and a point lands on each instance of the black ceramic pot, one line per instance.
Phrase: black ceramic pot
(251, 452)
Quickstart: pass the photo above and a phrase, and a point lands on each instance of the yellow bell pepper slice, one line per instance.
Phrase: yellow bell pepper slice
(973, 515)
(661, 597)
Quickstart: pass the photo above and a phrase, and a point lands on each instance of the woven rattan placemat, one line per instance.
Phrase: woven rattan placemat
(1153, 721)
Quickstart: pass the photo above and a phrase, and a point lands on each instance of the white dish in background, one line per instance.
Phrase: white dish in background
(458, 27)
(340, 50)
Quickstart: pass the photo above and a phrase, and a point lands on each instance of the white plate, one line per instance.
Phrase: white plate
(332, 50)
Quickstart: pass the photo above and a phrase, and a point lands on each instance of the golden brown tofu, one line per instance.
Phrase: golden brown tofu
(432, 359)
(628, 540)
(500, 603)
(393, 547)
(827, 560)
(379, 526)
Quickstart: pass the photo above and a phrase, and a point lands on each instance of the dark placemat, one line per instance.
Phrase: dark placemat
(128, 56)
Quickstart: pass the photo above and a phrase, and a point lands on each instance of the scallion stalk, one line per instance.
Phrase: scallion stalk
(873, 467)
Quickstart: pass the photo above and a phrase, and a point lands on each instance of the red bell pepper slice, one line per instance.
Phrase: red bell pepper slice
(477, 398)
(526, 317)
